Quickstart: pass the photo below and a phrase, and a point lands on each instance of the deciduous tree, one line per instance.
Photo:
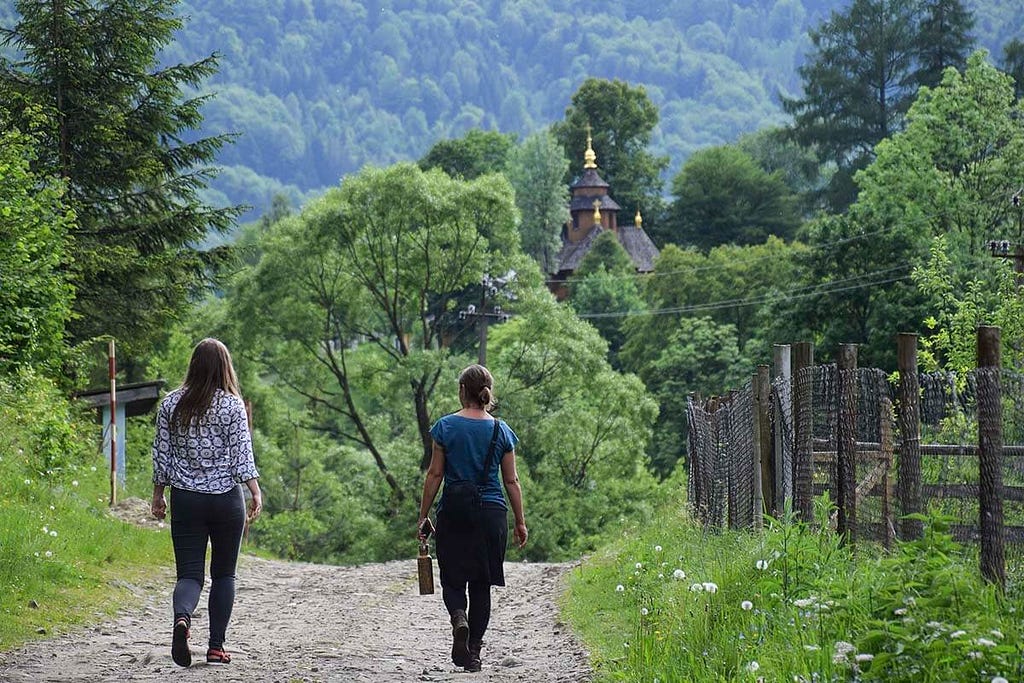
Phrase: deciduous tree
(536, 169)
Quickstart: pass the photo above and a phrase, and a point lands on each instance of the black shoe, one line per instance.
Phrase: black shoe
(460, 638)
(180, 652)
(474, 656)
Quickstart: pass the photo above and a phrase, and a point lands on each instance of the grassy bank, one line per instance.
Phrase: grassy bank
(671, 603)
(63, 559)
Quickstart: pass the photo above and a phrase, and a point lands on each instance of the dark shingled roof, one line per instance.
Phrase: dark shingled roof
(639, 247)
(586, 203)
(571, 255)
(589, 179)
(634, 240)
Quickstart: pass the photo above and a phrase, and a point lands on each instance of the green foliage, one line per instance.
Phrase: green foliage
(606, 298)
(35, 299)
(382, 259)
(58, 548)
(667, 601)
(1013, 64)
(722, 197)
(477, 153)
(620, 118)
(536, 169)
(114, 126)
(859, 80)
(943, 39)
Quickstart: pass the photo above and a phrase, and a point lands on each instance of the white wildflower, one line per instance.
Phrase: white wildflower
(661, 576)
(753, 666)
(864, 657)
(679, 575)
(811, 648)
(657, 548)
(974, 655)
(52, 532)
(74, 482)
(844, 648)
(997, 634)
(746, 605)
(999, 679)
(93, 468)
(762, 564)
(28, 482)
(985, 642)
(643, 611)
(900, 612)
(910, 601)
(710, 587)
(957, 634)
(49, 553)
(46, 530)
(620, 588)
(805, 602)
(934, 625)
(639, 565)
(696, 588)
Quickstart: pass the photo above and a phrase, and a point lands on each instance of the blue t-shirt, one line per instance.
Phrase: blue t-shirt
(465, 441)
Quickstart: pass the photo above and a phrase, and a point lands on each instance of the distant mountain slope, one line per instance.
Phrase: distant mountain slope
(318, 88)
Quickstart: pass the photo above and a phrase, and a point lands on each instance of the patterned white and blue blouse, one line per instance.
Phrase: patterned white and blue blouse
(213, 455)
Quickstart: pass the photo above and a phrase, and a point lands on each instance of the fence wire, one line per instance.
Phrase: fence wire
(723, 465)
(721, 447)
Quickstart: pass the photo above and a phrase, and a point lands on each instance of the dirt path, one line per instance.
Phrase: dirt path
(304, 622)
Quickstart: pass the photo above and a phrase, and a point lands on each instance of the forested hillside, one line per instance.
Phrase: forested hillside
(318, 88)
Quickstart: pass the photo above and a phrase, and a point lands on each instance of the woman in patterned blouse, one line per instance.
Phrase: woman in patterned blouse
(202, 450)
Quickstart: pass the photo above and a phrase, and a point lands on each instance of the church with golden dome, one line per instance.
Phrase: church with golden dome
(593, 211)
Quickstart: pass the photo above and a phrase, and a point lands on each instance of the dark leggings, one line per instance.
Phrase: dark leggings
(479, 613)
(196, 518)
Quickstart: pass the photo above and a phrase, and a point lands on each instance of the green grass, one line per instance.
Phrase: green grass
(790, 604)
(63, 559)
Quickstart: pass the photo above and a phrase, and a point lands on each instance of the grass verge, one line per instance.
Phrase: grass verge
(670, 602)
(63, 559)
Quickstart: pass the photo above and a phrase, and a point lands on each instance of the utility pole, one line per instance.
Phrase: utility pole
(1005, 249)
(490, 287)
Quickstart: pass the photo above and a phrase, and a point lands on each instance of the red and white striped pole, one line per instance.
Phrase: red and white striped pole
(112, 367)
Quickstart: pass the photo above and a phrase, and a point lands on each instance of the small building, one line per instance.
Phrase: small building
(132, 400)
(593, 211)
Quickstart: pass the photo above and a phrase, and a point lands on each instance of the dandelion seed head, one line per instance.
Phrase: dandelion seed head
(985, 642)
(710, 587)
(49, 553)
(657, 548)
(957, 634)
(74, 482)
(643, 611)
(746, 605)
(696, 588)
(679, 575)
(762, 564)
(661, 576)
(997, 633)
(753, 666)
(974, 655)
(28, 482)
(999, 679)
(900, 611)
(639, 565)
(53, 533)
(620, 588)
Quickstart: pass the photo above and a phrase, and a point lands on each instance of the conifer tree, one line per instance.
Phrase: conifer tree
(943, 39)
(118, 128)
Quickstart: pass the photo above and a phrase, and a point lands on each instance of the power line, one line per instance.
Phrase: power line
(791, 295)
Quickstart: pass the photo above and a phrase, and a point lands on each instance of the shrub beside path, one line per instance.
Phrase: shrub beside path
(306, 622)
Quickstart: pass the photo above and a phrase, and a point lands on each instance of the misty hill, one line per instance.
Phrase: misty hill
(318, 88)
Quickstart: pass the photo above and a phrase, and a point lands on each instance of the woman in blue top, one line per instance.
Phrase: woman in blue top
(472, 556)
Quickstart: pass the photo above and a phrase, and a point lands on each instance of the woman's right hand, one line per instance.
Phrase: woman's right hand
(520, 534)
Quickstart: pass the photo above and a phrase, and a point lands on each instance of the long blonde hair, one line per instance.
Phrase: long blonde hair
(209, 369)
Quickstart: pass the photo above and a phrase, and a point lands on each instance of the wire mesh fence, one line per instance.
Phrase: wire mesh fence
(881, 445)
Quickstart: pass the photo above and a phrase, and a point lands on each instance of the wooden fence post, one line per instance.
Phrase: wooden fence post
(886, 443)
(764, 474)
(846, 442)
(732, 507)
(783, 430)
(908, 478)
(803, 435)
(990, 456)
